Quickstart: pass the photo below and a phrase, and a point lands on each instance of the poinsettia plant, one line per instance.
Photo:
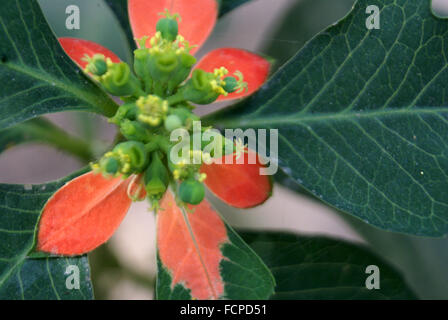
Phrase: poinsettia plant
(361, 115)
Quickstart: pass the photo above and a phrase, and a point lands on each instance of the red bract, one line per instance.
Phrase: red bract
(195, 263)
(86, 211)
(83, 214)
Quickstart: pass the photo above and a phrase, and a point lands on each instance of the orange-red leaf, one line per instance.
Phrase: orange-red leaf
(189, 246)
(198, 18)
(76, 49)
(238, 185)
(254, 68)
(83, 214)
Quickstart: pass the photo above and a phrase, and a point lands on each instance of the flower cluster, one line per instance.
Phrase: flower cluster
(158, 96)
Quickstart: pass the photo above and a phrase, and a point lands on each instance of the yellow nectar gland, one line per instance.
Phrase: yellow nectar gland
(202, 177)
(152, 110)
(123, 158)
(158, 44)
(218, 83)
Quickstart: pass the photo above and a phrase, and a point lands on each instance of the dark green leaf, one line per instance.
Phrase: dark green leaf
(228, 5)
(22, 277)
(37, 76)
(303, 20)
(46, 279)
(163, 284)
(244, 273)
(363, 117)
(321, 268)
(43, 131)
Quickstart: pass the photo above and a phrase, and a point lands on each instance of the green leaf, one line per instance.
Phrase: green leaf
(226, 6)
(202, 268)
(164, 290)
(43, 131)
(302, 21)
(38, 279)
(363, 117)
(244, 273)
(37, 76)
(323, 268)
(22, 277)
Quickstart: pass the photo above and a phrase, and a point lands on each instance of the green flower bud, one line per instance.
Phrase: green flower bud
(96, 65)
(199, 88)
(119, 80)
(186, 62)
(134, 130)
(172, 122)
(231, 84)
(125, 111)
(133, 156)
(166, 63)
(163, 66)
(168, 27)
(156, 178)
(191, 191)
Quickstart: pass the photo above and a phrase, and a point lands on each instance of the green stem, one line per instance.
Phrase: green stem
(177, 98)
(151, 146)
(55, 136)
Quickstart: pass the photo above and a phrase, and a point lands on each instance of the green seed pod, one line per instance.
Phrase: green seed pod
(134, 154)
(119, 80)
(97, 65)
(134, 130)
(168, 27)
(231, 84)
(191, 191)
(109, 165)
(172, 122)
(156, 177)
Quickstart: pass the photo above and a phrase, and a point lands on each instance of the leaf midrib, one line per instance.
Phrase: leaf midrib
(326, 117)
(55, 82)
(198, 252)
(19, 259)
